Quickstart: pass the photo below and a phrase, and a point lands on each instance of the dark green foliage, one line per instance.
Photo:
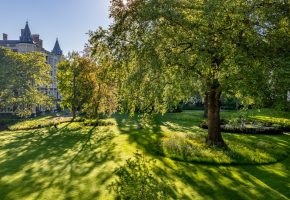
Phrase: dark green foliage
(136, 181)
(249, 128)
(97, 122)
(5, 122)
(252, 130)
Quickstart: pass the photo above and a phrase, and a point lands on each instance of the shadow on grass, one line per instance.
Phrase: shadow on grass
(46, 162)
(146, 137)
(204, 181)
(227, 182)
(76, 163)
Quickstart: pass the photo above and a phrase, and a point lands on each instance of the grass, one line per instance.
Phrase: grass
(51, 120)
(241, 149)
(39, 122)
(185, 144)
(78, 162)
(267, 116)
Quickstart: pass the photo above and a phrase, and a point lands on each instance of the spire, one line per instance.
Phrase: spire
(56, 49)
(26, 36)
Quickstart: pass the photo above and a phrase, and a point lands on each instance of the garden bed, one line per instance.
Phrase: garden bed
(248, 129)
(47, 121)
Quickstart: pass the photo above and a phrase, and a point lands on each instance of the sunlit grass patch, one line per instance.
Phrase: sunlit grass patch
(263, 115)
(61, 121)
(39, 123)
(273, 120)
(99, 122)
(191, 147)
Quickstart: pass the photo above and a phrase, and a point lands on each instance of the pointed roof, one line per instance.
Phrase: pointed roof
(26, 36)
(56, 49)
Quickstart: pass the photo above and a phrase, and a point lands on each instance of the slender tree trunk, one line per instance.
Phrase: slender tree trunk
(214, 133)
(205, 105)
(74, 109)
(73, 112)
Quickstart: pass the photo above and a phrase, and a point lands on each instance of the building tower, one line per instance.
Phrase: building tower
(56, 49)
(26, 41)
(26, 36)
(53, 58)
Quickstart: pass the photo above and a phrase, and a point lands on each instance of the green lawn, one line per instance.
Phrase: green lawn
(78, 162)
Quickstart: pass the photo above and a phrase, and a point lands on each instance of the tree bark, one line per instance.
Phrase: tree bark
(214, 102)
(74, 112)
(205, 106)
(74, 109)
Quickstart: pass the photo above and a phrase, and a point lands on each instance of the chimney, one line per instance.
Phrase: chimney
(37, 41)
(40, 43)
(35, 38)
(5, 36)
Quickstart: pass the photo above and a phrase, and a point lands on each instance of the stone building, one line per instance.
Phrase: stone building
(31, 42)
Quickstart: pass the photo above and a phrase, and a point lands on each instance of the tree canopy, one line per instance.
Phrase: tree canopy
(21, 77)
(164, 50)
(81, 86)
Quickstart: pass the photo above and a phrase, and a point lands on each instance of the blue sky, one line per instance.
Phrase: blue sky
(69, 20)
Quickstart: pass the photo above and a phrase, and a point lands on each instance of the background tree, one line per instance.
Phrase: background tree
(21, 77)
(163, 50)
(81, 86)
(278, 16)
(69, 84)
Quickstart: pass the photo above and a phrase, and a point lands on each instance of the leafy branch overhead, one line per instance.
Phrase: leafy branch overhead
(164, 51)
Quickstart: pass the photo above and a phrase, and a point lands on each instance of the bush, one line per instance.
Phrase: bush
(135, 181)
(41, 123)
(7, 121)
(92, 122)
(242, 125)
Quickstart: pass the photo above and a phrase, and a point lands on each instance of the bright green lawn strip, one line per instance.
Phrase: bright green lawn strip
(263, 115)
(39, 122)
(50, 120)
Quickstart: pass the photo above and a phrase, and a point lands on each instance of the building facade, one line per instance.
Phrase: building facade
(31, 42)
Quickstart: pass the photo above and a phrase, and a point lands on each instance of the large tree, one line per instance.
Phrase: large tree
(164, 50)
(21, 77)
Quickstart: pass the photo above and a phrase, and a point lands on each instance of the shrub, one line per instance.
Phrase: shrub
(240, 125)
(7, 121)
(91, 122)
(41, 123)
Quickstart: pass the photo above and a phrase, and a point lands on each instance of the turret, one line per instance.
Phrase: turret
(56, 49)
(26, 36)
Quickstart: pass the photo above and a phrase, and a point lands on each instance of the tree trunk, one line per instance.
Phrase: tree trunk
(205, 106)
(214, 133)
(74, 109)
(73, 112)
